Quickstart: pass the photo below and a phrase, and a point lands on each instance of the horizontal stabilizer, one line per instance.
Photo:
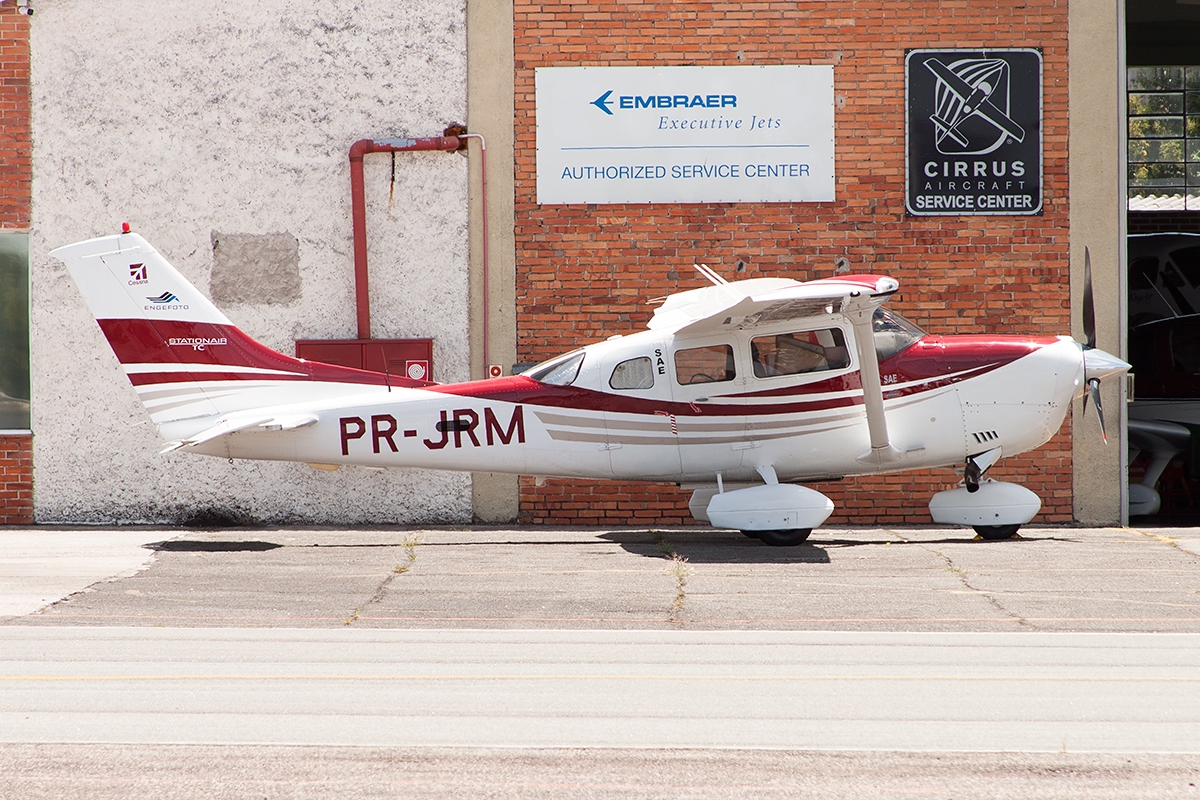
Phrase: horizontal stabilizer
(256, 420)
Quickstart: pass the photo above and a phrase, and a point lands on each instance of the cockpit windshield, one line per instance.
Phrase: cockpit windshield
(559, 371)
(893, 333)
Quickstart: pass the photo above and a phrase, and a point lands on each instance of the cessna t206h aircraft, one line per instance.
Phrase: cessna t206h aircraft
(740, 391)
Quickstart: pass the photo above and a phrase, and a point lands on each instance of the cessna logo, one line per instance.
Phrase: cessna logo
(137, 274)
(605, 102)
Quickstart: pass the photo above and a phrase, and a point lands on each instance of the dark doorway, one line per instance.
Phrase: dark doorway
(1163, 223)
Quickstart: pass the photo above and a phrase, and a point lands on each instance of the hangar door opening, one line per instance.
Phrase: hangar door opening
(1163, 224)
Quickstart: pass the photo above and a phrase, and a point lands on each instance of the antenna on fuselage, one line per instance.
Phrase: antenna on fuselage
(710, 273)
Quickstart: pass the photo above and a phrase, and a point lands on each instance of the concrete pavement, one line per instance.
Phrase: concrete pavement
(223, 638)
(797, 690)
(913, 579)
(40, 566)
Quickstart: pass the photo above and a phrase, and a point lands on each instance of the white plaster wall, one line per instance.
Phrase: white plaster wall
(185, 117)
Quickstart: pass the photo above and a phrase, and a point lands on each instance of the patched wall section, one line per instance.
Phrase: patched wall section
(187, 118)
(255, 268)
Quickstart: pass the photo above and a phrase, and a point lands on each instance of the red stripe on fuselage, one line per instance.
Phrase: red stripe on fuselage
(520, 389)
(141, 341)
(928, 365)
(156, 378)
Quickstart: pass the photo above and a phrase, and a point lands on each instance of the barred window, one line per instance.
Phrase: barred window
(1164, 138)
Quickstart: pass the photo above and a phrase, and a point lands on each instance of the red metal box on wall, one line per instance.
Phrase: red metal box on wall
(410, 358)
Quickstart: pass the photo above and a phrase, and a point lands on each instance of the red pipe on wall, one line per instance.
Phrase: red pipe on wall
(358, 206)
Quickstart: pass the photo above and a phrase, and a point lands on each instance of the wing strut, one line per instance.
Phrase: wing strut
(860, 311)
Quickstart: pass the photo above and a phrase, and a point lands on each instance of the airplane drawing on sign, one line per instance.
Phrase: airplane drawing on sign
(740, 392)
(967, 89)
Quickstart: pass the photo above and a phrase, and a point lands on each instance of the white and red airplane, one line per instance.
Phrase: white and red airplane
(740, 391)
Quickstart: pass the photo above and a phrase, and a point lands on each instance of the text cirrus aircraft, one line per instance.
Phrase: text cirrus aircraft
(740, 391)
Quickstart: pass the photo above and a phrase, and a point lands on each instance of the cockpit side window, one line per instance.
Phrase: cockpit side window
(636, 373)
(799, 352)
(558, 371)
(712, 364)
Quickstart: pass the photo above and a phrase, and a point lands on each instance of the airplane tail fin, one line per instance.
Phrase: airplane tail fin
(186, 360)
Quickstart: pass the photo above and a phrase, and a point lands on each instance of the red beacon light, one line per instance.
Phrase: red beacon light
(125, 227)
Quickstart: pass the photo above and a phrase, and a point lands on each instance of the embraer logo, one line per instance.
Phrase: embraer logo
(632, 101)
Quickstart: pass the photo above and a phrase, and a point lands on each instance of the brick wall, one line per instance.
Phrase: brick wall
(585, 272)
(16, 480)
(1164, 222)
(16, 171)
(16, 177)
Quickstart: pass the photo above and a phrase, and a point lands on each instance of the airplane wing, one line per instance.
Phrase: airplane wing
(750, 304)
(257, 419)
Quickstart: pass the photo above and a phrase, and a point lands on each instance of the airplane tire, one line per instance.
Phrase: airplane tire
(994, 533)
(782, 538)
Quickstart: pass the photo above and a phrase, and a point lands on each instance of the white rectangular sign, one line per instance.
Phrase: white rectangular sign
(685, 134)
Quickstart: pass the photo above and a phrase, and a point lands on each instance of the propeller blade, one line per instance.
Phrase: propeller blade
(1089, 306)
(1094, 391)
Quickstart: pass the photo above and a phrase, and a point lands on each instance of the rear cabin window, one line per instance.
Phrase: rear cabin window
(636, 373)
(712, 364)
(799, 352)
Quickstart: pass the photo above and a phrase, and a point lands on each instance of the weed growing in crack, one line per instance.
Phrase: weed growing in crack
(664, 546)
(409, 544)
(679, 568)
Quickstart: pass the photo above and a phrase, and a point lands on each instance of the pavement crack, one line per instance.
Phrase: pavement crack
(410, 545)
(380, 591)
(1169, 541)
(964, 578)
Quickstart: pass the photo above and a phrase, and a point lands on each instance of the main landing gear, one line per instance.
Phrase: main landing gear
(778, 515)
(996, 532)
(785, 537)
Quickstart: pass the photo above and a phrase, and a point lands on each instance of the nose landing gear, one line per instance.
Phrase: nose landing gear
(995, 510)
